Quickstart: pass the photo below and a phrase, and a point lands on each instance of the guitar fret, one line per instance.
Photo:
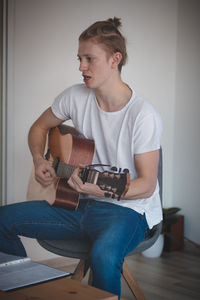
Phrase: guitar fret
(64, 170)
(93, 176)
(96, 177)
(89, 177)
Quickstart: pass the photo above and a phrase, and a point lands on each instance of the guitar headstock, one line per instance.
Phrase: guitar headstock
(115, 184)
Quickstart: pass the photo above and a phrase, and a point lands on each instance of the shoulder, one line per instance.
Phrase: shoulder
(69, 101)
(142, 111)
(74, 90)
(141, 108)
(142, 105)
(146, 125)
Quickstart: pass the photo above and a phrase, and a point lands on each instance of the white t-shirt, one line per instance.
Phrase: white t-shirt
(134, 129)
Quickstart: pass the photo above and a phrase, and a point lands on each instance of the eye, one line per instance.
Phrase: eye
(89, 58)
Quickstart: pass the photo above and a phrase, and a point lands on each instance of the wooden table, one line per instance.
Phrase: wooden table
(59, 289)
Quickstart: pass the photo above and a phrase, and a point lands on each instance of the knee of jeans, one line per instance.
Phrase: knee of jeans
(3, 219)
(3, 214)
(6, 217)
(102, 257)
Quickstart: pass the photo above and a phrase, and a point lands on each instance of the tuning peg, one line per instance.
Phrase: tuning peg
(126, 171)
(114, 169)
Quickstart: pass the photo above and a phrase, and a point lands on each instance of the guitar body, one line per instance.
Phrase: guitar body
(71, 148)
(67, 144)
(68, 150)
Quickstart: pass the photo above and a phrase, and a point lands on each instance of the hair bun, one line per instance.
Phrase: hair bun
(115, 21)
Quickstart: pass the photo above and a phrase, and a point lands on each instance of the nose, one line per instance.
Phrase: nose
(83, 66)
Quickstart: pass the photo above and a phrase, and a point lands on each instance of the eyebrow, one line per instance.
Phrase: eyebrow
(85, 55)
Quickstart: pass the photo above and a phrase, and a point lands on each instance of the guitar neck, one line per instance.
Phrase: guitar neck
(65, 171)
(115, 183)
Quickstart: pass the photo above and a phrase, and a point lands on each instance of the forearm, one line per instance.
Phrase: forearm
(143, 186)
(140, 188)
(38, 133)
(44, 173)
(36, 141)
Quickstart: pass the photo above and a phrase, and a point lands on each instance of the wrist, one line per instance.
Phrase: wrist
(37, 159)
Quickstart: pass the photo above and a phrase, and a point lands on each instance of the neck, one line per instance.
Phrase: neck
(113, 96)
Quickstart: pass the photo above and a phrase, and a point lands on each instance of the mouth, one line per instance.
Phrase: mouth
(86, 78)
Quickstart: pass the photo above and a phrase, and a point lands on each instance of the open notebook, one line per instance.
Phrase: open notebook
(16, 272)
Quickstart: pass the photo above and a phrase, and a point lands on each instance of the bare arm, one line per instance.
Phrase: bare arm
(147, 169)
(44, 173)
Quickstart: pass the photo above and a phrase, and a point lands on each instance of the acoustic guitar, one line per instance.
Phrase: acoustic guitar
(68, 149)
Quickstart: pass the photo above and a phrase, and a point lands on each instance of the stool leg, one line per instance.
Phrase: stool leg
(90, 279)
(132, 283)
(79, 271)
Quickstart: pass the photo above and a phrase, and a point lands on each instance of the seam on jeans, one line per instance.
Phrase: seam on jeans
(40, 223)
(132, 236)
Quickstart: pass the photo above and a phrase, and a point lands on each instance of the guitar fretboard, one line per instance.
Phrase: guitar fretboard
(65, 171)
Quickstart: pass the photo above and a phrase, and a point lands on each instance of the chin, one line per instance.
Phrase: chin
(89, 85)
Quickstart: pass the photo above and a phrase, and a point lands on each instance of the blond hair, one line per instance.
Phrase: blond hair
(108, 34)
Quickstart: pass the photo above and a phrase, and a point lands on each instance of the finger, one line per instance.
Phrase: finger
(77, 182)
(75, 176)
(44, 180)
(76, 171)
(82, 166)
(44, 177)
(72, 184)
(50, 172)
(45, 171)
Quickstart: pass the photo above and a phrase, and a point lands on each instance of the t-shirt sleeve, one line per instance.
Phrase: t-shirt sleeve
(61, 105)
(147, 135)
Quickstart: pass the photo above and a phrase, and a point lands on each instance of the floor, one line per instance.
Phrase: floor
(173, 276)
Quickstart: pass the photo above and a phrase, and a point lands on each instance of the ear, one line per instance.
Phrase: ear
(117, 57)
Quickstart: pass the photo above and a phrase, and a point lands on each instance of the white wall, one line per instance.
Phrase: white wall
(186, 183)
(43, 51)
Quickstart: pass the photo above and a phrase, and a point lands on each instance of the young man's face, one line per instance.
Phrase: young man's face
(95, 65)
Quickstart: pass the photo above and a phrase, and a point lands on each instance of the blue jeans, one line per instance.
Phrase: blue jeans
(113, 231)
